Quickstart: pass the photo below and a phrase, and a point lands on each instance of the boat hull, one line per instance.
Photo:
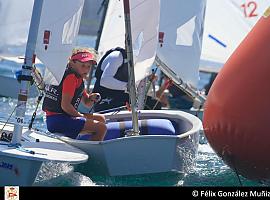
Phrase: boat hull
(143, 154)
(18, 171)
(139, 155)
(19, 164)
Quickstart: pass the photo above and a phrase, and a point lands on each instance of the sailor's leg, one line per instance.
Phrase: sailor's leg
(96, 128)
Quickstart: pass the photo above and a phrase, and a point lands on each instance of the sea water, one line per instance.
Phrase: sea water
(209, 169)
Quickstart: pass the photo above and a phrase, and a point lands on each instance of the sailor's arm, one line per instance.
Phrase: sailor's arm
(68, 107)
(112, 62)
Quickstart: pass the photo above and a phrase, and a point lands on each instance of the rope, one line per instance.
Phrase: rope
(35, 112)
(238, 177)
(9, 118)
(8, 137)
(39, 82)
(115, 110)
(38, 79)
(226, 155)
(235, 170)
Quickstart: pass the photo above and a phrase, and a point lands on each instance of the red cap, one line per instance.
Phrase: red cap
(83, 57)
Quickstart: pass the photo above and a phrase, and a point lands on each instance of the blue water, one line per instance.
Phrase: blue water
(209, 169)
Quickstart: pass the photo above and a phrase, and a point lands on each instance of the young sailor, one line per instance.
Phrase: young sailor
(112, 80)
(61, 102)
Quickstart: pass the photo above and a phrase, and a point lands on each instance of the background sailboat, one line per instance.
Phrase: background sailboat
(226, 25)
(170, 144)
(15, 25)
(14, 28)
(22, 156)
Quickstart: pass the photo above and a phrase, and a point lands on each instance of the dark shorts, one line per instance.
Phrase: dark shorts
(67, 125)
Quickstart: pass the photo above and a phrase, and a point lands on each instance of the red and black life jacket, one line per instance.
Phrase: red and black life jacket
(53, 96)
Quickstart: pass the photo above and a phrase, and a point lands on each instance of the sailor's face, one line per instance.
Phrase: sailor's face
(83, 68)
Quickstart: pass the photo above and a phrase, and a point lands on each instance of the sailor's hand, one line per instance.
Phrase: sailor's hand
(95, 97)
(152, 78)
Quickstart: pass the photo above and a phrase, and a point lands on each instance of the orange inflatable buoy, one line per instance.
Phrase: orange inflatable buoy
(236, 116)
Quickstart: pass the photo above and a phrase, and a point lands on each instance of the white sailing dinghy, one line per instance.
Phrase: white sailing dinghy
(14, 27)
(160, 141)
(21, 158)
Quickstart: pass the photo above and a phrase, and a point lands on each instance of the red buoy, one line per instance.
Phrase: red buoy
(237, 111)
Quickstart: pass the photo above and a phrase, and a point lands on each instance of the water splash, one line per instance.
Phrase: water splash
(61, 174)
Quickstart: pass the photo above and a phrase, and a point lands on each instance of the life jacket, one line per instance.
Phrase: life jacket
(53, 95)
(121, 75)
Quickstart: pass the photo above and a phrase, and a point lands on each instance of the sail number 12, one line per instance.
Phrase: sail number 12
(250, 9)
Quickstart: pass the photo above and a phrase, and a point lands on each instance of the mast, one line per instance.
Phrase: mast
(26, 77)
(131, 83)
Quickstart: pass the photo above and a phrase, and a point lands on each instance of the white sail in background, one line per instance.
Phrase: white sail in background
(91, 17)
(57, 34)
(227, 23)
(180, 39)
(14, 25)
(16, 22)
(144, 33)
(113, 32)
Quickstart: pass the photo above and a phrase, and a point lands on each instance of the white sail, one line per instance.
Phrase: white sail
(180, 39)
(144, 33)
(227, 23)
(91, 17)
(113, 32)
(57, 34)
(14, 25)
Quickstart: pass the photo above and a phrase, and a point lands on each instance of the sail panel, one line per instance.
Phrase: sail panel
(113, 32)
(91, 17)
(144, 32)
(57, 36)
(181, 25)
(14, 25)
(226, 24)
